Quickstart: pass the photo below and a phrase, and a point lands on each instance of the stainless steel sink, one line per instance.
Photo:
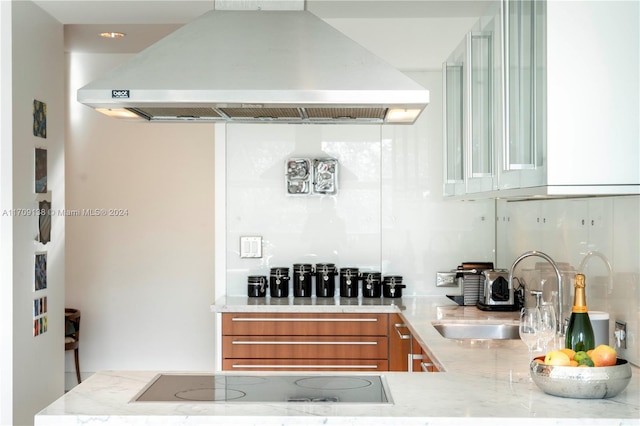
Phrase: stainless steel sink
(476, 330)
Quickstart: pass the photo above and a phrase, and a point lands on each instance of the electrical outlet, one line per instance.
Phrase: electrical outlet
(620, 333)
(446, 279)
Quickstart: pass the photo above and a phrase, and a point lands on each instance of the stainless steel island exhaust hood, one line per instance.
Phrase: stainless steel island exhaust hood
(257, 66)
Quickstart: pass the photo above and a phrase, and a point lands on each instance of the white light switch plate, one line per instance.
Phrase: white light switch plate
(250, 247)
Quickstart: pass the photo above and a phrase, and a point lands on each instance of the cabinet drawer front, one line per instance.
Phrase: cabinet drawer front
(304, 365)
(304, 324)
(309, 347)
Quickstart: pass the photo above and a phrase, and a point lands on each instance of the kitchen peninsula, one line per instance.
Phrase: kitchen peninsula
(481, 382)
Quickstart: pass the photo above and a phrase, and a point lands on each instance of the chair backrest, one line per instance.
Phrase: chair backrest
(72, 328)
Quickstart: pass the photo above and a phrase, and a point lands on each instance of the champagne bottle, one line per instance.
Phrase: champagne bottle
(580, 333)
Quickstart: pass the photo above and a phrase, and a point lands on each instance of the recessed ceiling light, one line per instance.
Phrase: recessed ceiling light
(112, 35)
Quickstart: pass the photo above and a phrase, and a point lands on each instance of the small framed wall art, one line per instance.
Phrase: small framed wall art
(40, 271)
(39, 119)
(41, 171)
(44, 222)
(311, 176)
(39, 316)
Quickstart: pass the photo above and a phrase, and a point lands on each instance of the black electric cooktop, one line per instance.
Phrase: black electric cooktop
(276, 388)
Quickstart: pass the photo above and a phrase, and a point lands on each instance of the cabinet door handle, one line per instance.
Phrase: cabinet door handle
(425, 366)
(305, 319)
(333, 367)
(264, 342)
(408, 337)
(397, 327)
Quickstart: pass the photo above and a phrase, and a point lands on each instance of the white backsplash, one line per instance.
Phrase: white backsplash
(343, 229)
(567, 230)
(384, 218)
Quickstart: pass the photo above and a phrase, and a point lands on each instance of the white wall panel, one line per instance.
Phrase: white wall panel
(144, 281)
(34, 42)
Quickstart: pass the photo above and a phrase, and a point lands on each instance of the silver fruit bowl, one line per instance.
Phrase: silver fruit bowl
(578, 382)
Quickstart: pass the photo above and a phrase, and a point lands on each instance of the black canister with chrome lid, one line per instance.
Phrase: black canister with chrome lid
(257, 285)
(325, 279)
(392, 286)
(279, 282)
(302, 279)
(371, 284)
(349, 282)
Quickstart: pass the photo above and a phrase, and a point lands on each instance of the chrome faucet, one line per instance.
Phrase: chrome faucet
(560, 322)
(591, 254)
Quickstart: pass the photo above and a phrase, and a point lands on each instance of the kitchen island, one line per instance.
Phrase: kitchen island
(481, 382)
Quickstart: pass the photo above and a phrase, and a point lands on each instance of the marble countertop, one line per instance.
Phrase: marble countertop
(483, 382)
(309, 304)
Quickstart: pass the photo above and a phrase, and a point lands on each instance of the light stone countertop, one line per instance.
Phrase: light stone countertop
(484, 383)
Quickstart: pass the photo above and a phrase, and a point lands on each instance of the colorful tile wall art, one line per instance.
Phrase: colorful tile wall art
(39, 119)
(44, 222)
(39, 316)
(41, 171)
(40, 319)
(40, 270)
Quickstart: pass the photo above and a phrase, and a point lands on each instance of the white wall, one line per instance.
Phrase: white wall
(388, 215)
(391, 38)
(144, 280)
(32, 366)
(6, 224)
(569, 229)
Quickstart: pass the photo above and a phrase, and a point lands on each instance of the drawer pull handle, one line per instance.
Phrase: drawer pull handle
(303, 366)
(258, 342)
(306, 319)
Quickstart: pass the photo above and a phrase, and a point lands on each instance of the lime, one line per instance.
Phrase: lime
(581, 355)
(586, 361)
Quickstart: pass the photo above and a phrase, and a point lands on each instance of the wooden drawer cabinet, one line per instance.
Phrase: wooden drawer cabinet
(421, 360)
(405, 353)
(318, 347)
(305, 341)
(297, 364)
(239, 324)
(399, 344)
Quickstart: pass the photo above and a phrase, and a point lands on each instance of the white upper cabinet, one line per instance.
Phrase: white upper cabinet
(523, 151)
(485, 103)
(472, 109)
(566, 110)
(455, 120)
(593, 97)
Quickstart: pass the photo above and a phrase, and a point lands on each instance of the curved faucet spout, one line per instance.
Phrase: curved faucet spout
(591, 254)
(548, 258)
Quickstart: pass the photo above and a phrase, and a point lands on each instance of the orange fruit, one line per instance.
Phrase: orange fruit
(589, 352)
(570, 352)
(604, 356)
(573, 363)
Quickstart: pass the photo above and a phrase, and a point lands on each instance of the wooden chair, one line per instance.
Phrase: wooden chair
(72, 335)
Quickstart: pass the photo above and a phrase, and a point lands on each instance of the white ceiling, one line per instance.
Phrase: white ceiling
(379, 25)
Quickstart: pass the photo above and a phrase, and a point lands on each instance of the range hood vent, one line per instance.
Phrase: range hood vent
(257, 66)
